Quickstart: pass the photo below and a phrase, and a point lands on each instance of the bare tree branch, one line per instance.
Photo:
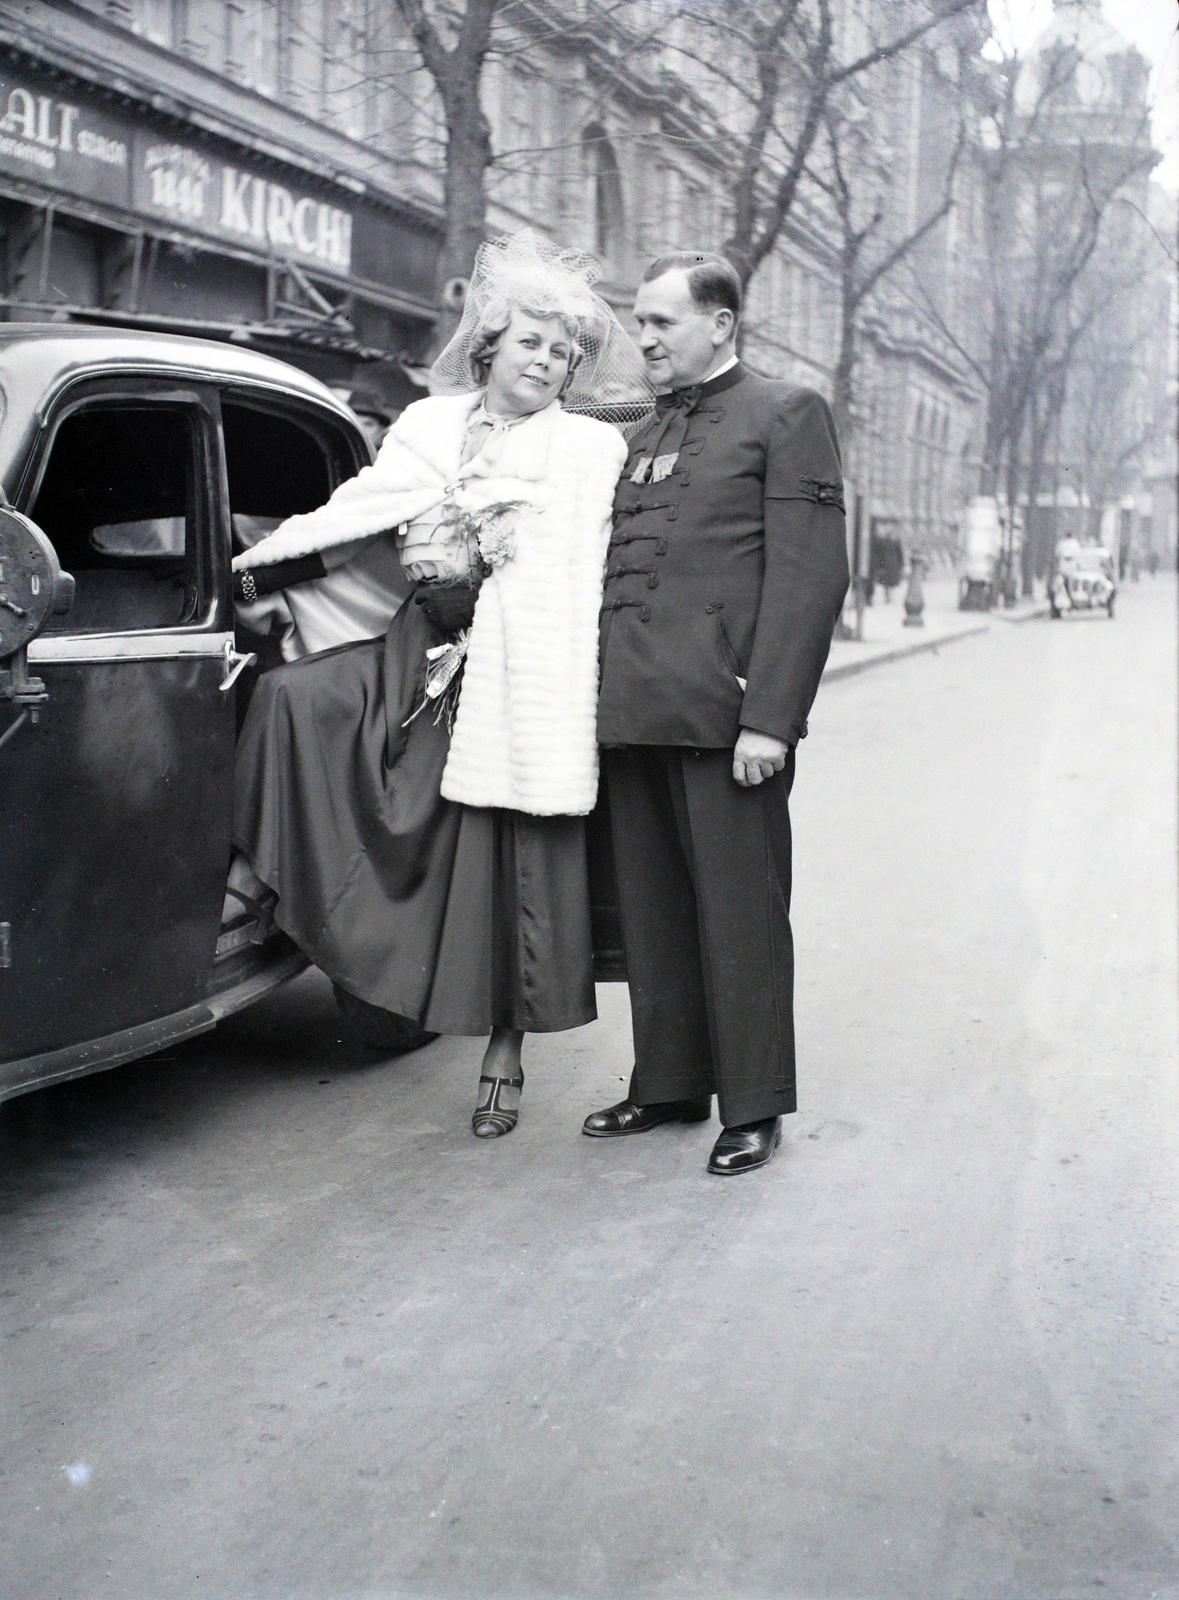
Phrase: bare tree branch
(897, 46)
(904, 246)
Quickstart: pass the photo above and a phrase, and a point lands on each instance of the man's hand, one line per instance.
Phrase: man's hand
(757, 756)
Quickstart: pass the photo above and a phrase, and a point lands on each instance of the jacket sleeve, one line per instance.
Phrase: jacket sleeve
(806, 573)
(279, 575)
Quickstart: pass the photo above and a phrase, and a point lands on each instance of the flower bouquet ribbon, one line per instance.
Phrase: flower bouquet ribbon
(443, 679)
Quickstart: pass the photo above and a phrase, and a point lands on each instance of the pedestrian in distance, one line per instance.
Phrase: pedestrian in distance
(726, 573)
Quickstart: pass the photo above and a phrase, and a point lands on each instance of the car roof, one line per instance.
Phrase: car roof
(49, 347)
(37, 358)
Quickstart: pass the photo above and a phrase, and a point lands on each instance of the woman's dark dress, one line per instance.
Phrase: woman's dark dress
(459, 918)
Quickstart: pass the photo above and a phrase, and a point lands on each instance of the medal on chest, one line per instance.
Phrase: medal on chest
(653, 469)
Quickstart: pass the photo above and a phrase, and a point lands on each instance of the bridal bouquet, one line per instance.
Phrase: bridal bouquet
(490, 531)
(489, 536)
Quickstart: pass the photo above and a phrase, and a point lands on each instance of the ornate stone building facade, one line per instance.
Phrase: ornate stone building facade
(1108, 470)
(281, 181)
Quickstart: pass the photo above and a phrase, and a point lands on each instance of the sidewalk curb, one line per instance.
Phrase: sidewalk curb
(848, 669)
(1040, 609)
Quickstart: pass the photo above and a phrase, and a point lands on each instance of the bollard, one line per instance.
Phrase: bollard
(915, 594)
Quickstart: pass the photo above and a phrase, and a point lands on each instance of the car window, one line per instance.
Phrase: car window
(277, 466)
(117, 498)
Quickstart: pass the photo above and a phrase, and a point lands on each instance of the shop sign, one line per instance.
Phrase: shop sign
(214, 197)
(63, 146)
(71, 148)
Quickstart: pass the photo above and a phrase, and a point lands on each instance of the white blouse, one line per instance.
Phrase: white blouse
(431, 548)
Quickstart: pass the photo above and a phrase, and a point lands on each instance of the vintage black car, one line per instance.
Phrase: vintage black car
(135, 456)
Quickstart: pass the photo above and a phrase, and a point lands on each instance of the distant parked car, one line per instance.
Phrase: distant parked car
(133, 462)
(1083, 579)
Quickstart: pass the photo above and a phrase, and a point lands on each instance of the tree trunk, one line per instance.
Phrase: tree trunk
(1013, 446)
(843, 392)
(1038, 560)
(457, 71)
(996, 415)
(988, 474)
(1032, 537)
(468, 155)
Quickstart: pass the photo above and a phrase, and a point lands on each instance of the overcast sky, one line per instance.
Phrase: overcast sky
(1151, 25)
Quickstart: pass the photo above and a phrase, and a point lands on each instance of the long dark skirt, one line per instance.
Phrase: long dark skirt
(459, 918)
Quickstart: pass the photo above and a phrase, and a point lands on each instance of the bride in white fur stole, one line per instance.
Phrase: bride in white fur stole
(416, 803)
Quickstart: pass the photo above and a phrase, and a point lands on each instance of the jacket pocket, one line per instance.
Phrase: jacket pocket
(728, 654)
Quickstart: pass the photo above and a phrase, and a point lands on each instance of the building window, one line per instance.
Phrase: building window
(345, 66)
(673, 207)
(789, 303)
(525, 141)
(608, 213)
(300, 54)
(694, 219)
(806, 314)
(157, 21)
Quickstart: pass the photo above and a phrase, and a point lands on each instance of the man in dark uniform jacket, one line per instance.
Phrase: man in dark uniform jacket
(726, 573)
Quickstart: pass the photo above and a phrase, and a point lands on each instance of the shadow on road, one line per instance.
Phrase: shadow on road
(55, 1138)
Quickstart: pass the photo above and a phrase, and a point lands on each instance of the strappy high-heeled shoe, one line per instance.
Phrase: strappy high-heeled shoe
(493, 1120)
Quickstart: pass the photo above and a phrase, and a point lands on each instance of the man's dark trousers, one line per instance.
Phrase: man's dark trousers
(704, 891)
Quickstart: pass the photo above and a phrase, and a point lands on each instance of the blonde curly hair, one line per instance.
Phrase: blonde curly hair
(523, 272)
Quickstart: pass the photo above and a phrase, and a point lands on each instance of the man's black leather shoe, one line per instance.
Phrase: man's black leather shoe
(743, 1148)
(626, 1117)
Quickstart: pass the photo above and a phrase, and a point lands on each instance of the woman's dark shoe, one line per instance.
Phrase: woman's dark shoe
(492, 1121)
(742, 1148)
(626, 1117)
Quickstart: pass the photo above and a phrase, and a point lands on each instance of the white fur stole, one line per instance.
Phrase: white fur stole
(525, 732)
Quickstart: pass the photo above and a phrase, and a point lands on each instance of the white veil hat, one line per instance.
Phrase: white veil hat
(529, 273)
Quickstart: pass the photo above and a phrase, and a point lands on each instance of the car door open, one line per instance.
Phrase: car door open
(114, 838)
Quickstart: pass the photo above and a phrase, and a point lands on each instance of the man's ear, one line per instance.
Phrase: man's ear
(724, 326)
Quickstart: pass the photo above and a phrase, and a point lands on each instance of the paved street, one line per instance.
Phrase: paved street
(310, 1339)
